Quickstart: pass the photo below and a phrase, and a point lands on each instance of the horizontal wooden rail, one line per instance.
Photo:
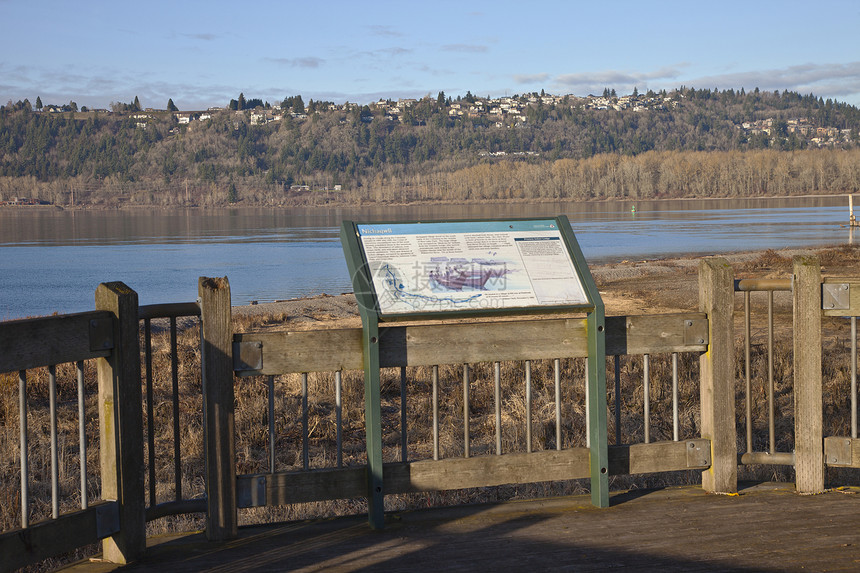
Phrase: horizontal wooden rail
(23, 547)
(51, 340)
(278, 353)
(458, 473)
(660, 457)
(168, 310)
(656, 334)
(179, 507)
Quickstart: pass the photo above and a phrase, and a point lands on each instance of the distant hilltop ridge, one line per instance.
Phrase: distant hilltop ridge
(535, 146)
(507, 111)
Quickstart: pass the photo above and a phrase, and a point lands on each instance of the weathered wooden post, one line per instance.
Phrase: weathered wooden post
(716, 299)
(121, 425)
(808, 409)
(218, 414)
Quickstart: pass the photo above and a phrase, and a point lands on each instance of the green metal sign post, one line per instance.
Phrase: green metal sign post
(361, 284)
(598, 430)
(457, 269)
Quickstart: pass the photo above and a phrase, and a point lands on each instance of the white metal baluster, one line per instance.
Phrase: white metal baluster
(435, 412)
(498, 395)
(270, 383)
(557, 372)
(853, 376)
(675, 419)
(646, 388)
(55, 457)
(25, 469)
(466, 411)
(82, 434)
(528, 406)
(404, 444)
(305, 452)
(338, 411)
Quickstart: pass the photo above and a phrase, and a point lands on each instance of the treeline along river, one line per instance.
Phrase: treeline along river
(51, 260)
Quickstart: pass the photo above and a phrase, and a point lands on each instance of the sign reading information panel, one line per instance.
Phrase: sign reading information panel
(440, 269)
(478, 266)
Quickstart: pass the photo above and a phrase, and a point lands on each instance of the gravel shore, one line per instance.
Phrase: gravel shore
(628, 287)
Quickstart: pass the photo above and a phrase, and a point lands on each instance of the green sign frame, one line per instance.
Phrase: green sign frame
(483, 268)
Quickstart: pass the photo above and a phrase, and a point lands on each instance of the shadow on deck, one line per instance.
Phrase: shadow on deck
(767, 527)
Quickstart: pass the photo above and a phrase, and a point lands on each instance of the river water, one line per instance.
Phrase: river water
(52, 260)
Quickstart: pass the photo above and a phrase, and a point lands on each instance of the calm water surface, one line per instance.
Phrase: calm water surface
(52, 260)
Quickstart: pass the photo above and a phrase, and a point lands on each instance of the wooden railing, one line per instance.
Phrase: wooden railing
(468, 344)
(813, 300)
(417, 353)
(428, 346)
(108, 336)
(181, 502)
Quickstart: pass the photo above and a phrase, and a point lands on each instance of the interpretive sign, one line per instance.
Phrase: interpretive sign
(433, 270)
(478, 266)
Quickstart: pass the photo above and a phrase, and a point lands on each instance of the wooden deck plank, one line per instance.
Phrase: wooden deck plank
(676, 529)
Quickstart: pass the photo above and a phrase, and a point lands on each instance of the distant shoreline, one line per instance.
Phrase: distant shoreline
(435, 203)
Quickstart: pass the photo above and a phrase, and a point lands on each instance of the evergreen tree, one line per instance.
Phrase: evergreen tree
(171, 106)
(136, 104)
(38, 102)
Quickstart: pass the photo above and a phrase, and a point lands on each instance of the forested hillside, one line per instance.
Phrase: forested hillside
(683, 143)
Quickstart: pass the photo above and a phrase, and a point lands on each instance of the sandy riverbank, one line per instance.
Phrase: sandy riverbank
(628, 287)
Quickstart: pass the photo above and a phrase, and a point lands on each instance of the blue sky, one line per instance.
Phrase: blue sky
(203, 54)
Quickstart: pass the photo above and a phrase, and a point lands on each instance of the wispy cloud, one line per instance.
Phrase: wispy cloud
(828, 80)
(14, 74)
(615, 76)
(203, 37)
(530, 78)
(369, 96)
(833, 80)
(465, 48)
(594, 82)
(393, 51)
(385, 31)
(306, 62)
